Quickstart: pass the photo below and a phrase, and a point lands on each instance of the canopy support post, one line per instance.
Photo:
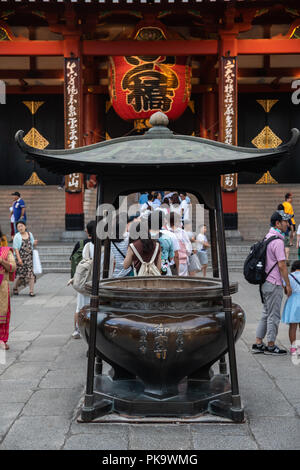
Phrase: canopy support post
(213, 242)
(234, 410)
(91, 409)
(215, 266)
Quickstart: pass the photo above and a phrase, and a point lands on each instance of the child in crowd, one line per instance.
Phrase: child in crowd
(291, 311)
(202, 248)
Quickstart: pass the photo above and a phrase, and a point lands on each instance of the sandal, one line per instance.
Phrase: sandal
(31, 294)
(6, 346)
(15, 292)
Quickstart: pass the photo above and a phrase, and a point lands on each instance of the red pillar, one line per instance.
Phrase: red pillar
(74, 218)
(228, 120)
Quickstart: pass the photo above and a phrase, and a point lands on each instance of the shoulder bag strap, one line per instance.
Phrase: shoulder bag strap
(295, 279)
(119, 250)
(155, 253)
(136, 252)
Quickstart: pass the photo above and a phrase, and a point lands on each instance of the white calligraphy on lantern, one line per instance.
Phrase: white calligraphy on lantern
(72, 105)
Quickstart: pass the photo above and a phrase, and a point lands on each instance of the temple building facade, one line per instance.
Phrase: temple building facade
(77, 72)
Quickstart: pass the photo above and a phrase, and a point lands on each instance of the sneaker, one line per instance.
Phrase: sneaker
(275, 351)
(258, 348)
(76, 334)
(293, 351)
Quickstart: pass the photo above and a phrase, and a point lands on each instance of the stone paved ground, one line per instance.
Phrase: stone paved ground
(43, 381)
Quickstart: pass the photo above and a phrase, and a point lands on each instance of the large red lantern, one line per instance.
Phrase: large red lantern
(142, 85)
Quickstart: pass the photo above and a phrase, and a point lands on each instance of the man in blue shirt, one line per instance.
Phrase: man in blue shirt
(18, 208)
(143, 198)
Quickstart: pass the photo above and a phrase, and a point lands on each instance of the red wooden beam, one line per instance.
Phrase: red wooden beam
(130, 47)
(31, 48)
(268, 46)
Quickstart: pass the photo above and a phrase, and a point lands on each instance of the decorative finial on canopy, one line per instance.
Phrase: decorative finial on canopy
(159, 122)
(159, 119)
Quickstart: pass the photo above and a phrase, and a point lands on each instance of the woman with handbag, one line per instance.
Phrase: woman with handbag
(194, 265)
(87, 254)
(7, 270)
(23, 247)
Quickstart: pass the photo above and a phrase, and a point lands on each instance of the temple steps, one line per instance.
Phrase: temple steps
(256, 203)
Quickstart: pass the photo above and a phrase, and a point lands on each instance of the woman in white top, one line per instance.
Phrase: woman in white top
(202, 248)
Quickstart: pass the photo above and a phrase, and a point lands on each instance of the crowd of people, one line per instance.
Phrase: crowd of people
(159, 239)
(159, 236)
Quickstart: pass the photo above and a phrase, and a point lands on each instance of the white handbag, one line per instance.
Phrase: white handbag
(194, 263)
(37, 266)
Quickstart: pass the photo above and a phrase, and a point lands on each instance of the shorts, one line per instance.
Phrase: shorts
(203, 258)
(286, 240)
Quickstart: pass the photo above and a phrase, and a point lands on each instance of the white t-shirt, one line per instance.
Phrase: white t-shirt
(175, 208)
(186, 209)
(200, 239)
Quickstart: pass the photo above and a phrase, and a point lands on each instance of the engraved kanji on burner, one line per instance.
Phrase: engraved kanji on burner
(161, 342)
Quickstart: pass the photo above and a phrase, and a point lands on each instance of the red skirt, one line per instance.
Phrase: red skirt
(4, 327)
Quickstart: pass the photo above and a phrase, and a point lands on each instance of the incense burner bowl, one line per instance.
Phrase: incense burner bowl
(161, 330)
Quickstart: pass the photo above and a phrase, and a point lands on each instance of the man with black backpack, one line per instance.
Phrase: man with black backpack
(272, 288)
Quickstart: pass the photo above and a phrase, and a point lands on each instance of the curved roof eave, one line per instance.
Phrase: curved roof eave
(159, 147)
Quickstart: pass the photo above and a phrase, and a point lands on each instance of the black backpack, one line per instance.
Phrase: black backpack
(254, 266)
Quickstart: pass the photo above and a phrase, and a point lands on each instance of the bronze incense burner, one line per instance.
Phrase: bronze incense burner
(161, 337)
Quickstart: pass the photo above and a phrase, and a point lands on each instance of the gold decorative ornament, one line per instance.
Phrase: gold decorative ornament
(266, 139)
(33, 106)
(35, 139)
(34, 180)
(267, 104)
(267, 178)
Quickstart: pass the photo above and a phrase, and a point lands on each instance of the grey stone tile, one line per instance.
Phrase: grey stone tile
(221, 442)
(99, 428)
(34, 433)
(16, 391)
(8, 413)
(40, 354)
(260, 400)
(276, 433)
(290, 388)
(64, 378)
(53, 402)
(51, 340)
(160, 437)
(230, 429)
(108, 439)
(25, 371)
(24, 335)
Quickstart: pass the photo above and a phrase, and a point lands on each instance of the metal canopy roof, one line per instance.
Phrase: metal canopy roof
(158, 148)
